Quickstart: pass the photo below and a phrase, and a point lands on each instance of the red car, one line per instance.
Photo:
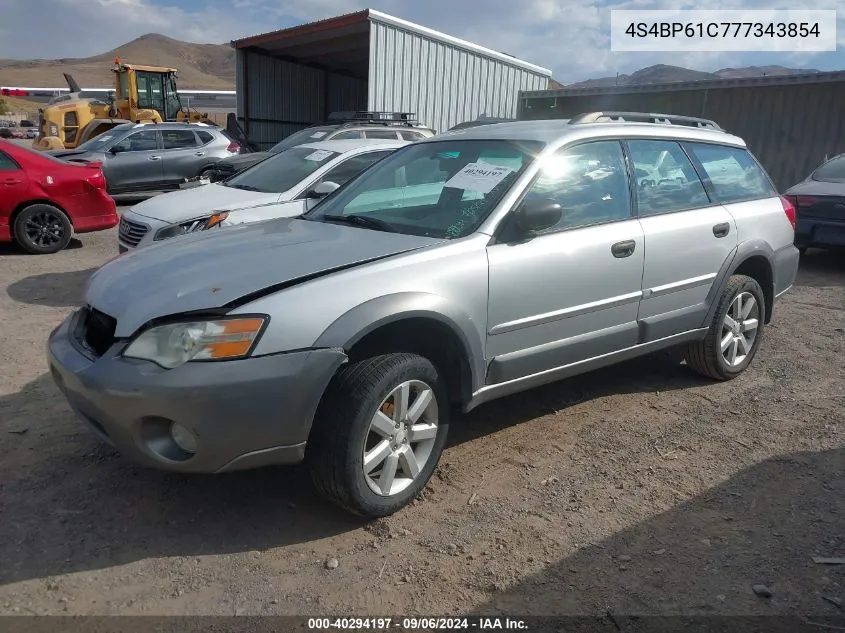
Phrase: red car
(44, 201)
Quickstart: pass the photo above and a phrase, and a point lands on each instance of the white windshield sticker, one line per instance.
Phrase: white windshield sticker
(105, 138)
(480, 177)
(319, 155)
(318, 134)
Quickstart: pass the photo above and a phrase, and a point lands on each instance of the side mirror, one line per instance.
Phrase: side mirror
(322, 190)
(537, 215)
(114, 149)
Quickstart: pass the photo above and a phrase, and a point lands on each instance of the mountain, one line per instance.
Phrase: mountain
(200, 66)
(662, 73)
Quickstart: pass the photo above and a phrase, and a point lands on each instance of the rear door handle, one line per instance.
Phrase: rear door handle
(721, 230)
(155, 157)
(11, 181)
(199, 153)
(623, 249)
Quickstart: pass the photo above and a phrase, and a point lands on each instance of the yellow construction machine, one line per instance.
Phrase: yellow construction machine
(142, 94)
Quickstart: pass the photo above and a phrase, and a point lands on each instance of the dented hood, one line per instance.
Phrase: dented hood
(210, 270)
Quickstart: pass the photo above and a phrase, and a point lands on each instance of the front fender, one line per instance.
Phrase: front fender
(355, 324)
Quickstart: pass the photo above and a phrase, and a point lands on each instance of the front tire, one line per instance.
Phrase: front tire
(379, 433)
(735, 331)
(42, 229)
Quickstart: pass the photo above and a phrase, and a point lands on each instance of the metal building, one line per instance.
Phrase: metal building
(792, 123)
(369, 60)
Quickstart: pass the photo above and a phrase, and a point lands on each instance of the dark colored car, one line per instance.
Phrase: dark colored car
(341, 125)
(44, 200)
(477, 122)
(819, 202)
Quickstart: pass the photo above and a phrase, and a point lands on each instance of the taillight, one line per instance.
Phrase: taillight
(97, 179)
(234, 147)
(789, 209)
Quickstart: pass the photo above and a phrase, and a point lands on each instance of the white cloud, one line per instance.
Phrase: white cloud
(572, 40)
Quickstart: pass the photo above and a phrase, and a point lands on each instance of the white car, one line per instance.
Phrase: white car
(280, 186)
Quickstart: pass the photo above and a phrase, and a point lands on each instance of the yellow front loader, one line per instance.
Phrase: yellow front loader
(142, 94)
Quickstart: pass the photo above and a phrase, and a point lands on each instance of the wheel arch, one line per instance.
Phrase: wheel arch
(415, 322)
(754, 259)
(23, 205)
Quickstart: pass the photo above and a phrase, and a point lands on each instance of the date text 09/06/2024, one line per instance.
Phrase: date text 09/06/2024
(418, 623)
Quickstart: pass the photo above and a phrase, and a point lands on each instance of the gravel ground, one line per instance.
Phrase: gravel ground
(640, 489)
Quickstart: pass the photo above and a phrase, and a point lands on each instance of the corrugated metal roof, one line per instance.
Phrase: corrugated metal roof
(707, 84)
(275, 41)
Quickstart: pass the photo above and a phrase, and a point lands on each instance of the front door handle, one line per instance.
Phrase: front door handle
(623, 249)
(11, 181)
(155, 157)
(721, 230)
(199, 153)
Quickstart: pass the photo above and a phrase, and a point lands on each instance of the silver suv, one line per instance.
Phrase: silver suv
(153, 156)
(457, 270)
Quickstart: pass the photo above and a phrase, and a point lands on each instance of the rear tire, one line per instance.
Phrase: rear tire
(42, 229)
(734, 334)
(368, 452)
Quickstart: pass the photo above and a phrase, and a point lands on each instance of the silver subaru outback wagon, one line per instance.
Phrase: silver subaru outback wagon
(459, 269)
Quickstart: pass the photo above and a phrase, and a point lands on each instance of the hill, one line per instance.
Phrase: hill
(200, 66)
(662, 73)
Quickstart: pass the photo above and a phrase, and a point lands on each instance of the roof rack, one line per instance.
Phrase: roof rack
(383, 118)
(645, 117)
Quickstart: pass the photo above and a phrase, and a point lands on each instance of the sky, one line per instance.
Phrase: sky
(569, 37)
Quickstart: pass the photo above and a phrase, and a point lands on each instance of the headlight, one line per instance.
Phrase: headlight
(191, 226)
(177, 343)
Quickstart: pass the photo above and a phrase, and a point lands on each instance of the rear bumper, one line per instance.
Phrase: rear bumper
(819, 232)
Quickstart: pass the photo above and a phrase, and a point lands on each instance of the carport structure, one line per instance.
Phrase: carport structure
(368, 60)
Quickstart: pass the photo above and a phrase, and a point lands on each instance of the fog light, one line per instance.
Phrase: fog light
(184, 438)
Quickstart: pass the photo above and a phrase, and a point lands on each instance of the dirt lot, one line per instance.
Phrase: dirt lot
(641, 489)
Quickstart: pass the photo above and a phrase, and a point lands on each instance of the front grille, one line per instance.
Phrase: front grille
(131, 232)
(95, 330)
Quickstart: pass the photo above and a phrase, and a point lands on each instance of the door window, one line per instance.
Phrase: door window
(350, 168)
(205, 137)
(391, 134)
(6, 163)
(150, 90)
(178, 139)
(588, 181)
(666, 179)
(734, 174)
(142, 141)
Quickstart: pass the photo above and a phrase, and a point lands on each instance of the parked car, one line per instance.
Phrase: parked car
(283, 185)
(5, 132)
(344, 337)
(479, 121)
(17, 133)
(44, 201)
(342, 125)
(31, 132)
(26, 123)
(819, 203)
(153, 157)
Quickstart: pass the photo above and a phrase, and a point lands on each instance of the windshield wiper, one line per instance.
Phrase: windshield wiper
(362, 220)
(245, 188)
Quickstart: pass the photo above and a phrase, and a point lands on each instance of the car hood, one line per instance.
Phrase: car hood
(817, 188)
(242, 161)
(209, 271)
(187, 204)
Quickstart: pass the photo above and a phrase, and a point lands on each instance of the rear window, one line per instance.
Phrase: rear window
(831, 171)
(735, 175)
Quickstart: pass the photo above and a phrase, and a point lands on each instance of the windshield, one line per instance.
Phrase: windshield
(99, 142)
(282, 171)
(832, 171)
(436, 189)
(308, 135)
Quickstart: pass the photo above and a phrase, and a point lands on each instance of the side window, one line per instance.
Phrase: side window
(410, 136)
(142, 141)
(350, 168)
(205, 137)
(588, 181)
(735, 175)
(178, 139)
(391, 134)
(6, 163)
(349, 134)
(666, 179)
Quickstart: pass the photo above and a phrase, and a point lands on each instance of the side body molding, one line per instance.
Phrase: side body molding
(355, 324)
